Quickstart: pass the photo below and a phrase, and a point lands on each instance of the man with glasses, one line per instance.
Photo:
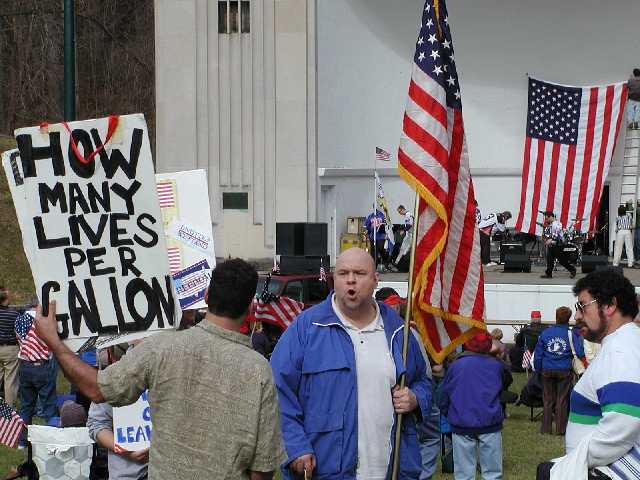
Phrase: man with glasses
(603, 433)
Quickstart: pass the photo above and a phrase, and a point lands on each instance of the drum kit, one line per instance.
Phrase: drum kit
(578, 243)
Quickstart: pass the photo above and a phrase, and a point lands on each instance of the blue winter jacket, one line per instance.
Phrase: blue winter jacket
(315, 373)
(470, 395)
(553, 351)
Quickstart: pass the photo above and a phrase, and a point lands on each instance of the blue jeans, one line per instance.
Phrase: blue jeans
(37, 382)
(429, 442)
(487, 447)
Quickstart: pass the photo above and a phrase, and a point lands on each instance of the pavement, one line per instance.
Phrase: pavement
(496, 274)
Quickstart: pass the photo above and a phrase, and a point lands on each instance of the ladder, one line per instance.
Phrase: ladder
(629, 191)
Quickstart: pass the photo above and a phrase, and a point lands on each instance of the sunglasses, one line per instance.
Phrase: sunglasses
(581, 307)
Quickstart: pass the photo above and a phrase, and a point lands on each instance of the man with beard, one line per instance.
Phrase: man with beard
(603, 433)
(337, 369)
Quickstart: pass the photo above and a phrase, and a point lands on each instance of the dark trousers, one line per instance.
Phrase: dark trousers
(544, 473)
(556, 386)
(378, 252)
(555, 252)
(37, 381)
(485, 248)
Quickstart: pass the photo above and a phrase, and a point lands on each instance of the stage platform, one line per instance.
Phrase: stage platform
(497, 275)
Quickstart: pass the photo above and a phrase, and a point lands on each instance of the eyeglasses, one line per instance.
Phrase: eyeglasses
(581, 307)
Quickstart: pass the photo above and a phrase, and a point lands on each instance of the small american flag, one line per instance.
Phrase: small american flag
(323, 273)
(175, 259)
(569, 143)
(32, 349)
(526, 359)
(276, 267)
(382, 154)
(11, 425)
(166, 194)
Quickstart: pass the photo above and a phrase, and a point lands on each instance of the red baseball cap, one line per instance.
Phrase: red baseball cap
(536, 314)
(394, 300)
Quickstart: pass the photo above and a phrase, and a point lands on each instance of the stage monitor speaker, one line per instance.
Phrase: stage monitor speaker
(593, 262)
(300, 238)
(290, 264)
(516, 262)
(511, 248)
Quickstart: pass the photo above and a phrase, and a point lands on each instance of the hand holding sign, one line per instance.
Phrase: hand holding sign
(47, 327)
(139, 456)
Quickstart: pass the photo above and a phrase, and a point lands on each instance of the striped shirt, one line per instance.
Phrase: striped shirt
(624, 222)
(8, 326)
(605, 403)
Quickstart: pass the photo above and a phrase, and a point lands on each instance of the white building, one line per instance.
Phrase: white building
(285, 105)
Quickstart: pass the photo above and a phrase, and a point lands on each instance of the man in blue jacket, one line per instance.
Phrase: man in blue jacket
(337, 369)
(470, 399)
(552, 358)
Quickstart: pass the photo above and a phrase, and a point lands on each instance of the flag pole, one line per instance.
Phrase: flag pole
(405, 336)
(375, 211)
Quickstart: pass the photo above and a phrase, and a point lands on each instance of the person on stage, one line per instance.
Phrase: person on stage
(492, 223)
(624, 227)
(377, 235)
(554, 239)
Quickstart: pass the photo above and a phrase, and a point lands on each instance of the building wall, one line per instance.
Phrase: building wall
(364, 53)
(242, 106)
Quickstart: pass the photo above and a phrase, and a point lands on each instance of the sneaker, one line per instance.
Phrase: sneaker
(545, 276)
(573, 274)
(491, 264)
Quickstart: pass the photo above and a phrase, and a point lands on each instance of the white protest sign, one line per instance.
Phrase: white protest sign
(91, 226)
(184, 202)
(132, 425)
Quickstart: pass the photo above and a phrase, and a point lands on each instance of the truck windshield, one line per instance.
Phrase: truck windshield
(274, 285)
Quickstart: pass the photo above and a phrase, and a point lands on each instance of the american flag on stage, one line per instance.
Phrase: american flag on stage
(448, 292)
(570, 139)
(32, 349)
(382, 154)
(166, 193)
(11, 425)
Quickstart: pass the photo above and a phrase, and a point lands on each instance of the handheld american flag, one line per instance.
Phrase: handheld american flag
(270, 308)
(448, 284)
(32, 349)
(11, 425)
(570, 140)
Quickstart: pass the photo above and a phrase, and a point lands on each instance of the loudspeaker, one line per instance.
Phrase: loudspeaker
(300, 264)
(511, 248)
(515, 262)
(593, 262)
(301, 238)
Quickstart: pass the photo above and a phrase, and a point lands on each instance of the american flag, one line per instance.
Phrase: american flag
(166, 194)
(276, 310)
(323, 273)
(448, 283)
(570, 139)
(526, 359)
(382, 154)
(32, 349)
(11, 425)
(175, 259)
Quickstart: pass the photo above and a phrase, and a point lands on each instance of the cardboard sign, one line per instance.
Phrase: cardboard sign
(132, 425)
(184, 202)
(91, 226)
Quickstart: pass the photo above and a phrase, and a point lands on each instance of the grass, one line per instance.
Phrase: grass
(15, 273)
(523, 446)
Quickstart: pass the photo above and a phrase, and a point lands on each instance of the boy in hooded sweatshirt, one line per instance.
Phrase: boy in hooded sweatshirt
(470, 400)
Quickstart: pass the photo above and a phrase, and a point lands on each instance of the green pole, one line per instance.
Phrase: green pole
(69, 61)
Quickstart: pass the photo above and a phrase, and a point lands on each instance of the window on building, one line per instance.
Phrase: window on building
(235, 201)
(234, 16)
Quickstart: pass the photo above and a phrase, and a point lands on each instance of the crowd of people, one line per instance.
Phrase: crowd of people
(325, 402)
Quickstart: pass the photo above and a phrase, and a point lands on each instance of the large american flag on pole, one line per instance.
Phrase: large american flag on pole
(448, 283)
(570, 139)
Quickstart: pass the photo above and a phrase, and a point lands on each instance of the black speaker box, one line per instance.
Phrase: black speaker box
(511, 248)
(593, 262)
(299, 238)
(290, 264)
(516, 262)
